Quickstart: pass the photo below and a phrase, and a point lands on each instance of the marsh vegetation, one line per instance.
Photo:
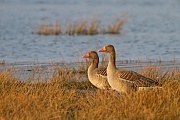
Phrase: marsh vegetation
(81, 27)
(67, 94)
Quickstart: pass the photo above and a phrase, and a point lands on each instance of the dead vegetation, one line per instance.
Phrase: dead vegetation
(67, 94)
(48, 29)
(84, 27)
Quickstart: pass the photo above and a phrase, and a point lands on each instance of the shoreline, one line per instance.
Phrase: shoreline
(25, 70)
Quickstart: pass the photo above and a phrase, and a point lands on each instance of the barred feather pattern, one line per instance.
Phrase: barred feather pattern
(102, 72)
(137, 79)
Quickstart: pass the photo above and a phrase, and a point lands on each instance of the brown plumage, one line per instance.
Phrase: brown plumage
(97, 76)
(138, 79)
(124, 80)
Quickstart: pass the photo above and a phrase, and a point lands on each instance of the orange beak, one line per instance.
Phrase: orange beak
(103, 49)
(86, 56)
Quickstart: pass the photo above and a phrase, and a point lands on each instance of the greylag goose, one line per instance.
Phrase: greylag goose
(97, 76)
(124, 80)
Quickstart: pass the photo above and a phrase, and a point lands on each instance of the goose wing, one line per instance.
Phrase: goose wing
(137, 79)
(101, 72)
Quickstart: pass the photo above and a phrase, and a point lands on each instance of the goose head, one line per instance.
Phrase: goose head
(107, 48)
(91, 55)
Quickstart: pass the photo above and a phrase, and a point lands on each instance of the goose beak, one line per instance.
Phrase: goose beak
(103, 49)
(86, 56)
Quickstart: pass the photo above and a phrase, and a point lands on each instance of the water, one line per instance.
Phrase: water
(152, 30)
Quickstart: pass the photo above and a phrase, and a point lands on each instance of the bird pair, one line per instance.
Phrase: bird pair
(111, 77)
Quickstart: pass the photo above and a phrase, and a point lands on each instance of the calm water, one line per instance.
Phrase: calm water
(152, 30)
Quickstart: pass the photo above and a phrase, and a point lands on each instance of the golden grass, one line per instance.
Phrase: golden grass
(68, 95)
(84, 27)
(48, 29)
(116, 26)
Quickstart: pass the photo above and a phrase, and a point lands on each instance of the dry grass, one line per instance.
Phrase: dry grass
(84, 27)
(48, 29)
(68, 95)
(116, 26)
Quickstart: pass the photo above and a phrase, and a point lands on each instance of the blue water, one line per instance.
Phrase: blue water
(151, 32)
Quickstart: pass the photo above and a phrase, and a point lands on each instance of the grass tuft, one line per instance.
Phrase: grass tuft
(116, 26)
(85, 27)
(48, 29)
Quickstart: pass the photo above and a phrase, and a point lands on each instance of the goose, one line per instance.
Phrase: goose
(121, 80)
(97, 76)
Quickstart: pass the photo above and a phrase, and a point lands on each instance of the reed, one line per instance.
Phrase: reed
(67, 94)
(48, 29)
(78, 28)
(116, 26)
(84, 27)
(94, 27)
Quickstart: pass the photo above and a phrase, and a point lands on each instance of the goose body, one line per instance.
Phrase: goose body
(124, 80)
(97, 76)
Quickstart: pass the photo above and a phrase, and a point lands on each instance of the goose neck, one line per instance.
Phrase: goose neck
(94, 63)
(112, 60)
